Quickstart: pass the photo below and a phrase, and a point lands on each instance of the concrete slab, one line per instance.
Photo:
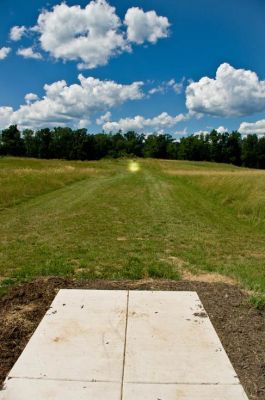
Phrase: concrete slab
(183, 392)
(170, 339)
(80, 338)
(124, 345)
(38, 389)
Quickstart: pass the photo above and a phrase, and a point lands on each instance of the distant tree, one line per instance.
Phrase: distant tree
(118, 145)
(261, 153)
(102, 145)
(249, 151)
(134, 143)
(66, 143)
(30, 143)
(172, 150)
(44, 143)
(89, 145)
(217, 144)
(11, 142)
(156, 146)
(193, 148)
(233, 148)
(61, 143)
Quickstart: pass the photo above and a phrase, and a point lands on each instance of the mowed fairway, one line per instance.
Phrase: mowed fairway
(100, 220)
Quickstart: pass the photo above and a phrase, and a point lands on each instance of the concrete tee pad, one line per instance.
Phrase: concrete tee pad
(115, 345)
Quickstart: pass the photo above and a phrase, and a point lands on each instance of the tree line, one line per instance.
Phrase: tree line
(69, 144)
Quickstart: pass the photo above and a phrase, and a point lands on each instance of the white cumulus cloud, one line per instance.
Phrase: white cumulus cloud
(221, 129)
(90, 35)
(28, 52)
(4, 51)
(95, 33)
(145, 26)
(5, 116)
(166, 85)
(233, 92)
(103, 118)
(157, 89)
(182, 132)
(30, 97)
(248, 128)
(70, 105)
(142, 124)
(17, 32)
(177, 86)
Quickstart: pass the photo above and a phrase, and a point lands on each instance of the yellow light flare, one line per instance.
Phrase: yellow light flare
(134, 166)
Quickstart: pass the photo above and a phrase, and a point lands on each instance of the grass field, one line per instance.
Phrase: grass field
(101, 220)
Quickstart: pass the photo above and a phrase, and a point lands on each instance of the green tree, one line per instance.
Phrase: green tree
(11, 142)
(217, 145)
(261, 153)
(30, 143)
(156, 146)
(61, 143)
(249, 151)
(44, 143)
(134, 143)
(102, 145)
(233, 148)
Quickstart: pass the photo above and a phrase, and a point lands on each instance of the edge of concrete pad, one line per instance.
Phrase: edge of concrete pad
(133, 391)
(41, 389)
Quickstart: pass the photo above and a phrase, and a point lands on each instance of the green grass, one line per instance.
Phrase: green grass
(258, 301)
(99, 220)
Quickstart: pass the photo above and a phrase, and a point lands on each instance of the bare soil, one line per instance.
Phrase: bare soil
(240, 327)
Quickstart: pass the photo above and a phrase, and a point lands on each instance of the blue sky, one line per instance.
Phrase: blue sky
(202, 36)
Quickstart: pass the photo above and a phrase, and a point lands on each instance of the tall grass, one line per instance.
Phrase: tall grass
(22, 179)
(241, 189)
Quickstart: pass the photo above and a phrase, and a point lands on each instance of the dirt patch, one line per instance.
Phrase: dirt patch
(212, 277)
(208, 278)
(240, 327)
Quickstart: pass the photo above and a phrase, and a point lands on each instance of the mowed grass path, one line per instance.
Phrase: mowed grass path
(99, 220)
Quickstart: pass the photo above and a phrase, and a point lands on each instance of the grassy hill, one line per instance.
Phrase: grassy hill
(101, 220)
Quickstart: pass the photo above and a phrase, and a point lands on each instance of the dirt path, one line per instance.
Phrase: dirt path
(240, 327)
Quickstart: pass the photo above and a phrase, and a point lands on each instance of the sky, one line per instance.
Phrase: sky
(165, 66)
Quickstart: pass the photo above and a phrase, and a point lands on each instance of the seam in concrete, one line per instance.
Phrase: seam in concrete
(129, 382)
(184, 383)
(125, 342)
(43, 378)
